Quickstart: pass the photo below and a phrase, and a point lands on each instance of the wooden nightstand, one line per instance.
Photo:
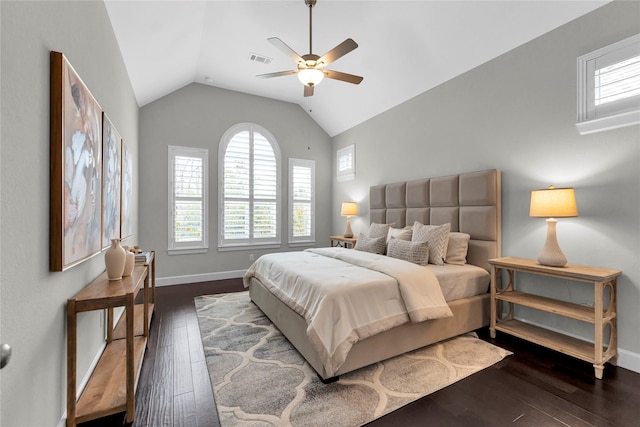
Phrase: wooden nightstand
(599, 315)
(341, 241)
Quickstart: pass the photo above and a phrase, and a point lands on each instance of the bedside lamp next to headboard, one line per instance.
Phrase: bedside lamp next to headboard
(553, 203)
(348, 209)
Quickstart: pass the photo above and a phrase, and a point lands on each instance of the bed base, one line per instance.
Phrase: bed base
(469, 314)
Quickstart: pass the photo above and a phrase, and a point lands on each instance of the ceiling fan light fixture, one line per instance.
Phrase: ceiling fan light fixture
(310, 76)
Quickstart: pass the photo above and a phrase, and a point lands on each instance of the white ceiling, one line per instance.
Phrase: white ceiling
(405, 47)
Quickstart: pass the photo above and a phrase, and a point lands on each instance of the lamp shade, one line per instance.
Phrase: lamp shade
(553, 203)
(310, 76)
(349, 209)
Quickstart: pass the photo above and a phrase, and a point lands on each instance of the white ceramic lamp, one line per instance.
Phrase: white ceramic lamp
(349, 209)
(552, 203)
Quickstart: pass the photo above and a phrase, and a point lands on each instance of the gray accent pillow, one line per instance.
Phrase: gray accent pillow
(415, 252)
(438, 238)
(374, 245)
(377, 230)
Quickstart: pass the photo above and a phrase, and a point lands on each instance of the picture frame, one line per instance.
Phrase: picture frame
(111, 181)
(346, 163)
(75, 168)
(126, 189)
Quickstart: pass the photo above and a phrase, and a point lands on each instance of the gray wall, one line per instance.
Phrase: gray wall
(517, 113)
(197, 116)
(32, 317)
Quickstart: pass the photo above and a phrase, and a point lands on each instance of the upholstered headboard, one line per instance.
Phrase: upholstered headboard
(471, 202)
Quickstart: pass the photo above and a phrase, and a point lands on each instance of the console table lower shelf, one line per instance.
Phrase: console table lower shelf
(570, 346)
(103, 394)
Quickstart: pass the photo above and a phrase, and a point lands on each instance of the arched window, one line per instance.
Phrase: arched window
(249, 188)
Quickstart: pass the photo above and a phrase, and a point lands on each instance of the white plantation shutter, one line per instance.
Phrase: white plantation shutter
(618, 81)
(609, 87)
(188, 177)
(301, 201)
(250, 183)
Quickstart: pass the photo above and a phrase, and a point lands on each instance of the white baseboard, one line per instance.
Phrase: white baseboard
(626, 359)
(629, 360)
(195, 278)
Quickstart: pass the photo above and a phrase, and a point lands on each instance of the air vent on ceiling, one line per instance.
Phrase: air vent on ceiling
(260, 58)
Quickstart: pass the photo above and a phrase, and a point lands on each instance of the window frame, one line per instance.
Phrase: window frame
(251, 242)
(625, 112)
(181, 248)
(311, 238)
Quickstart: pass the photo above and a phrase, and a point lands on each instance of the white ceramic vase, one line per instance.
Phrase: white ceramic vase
(129, 263)
(114, 260)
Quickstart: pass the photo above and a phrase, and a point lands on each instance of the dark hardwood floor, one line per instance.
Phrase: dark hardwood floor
(534, 387)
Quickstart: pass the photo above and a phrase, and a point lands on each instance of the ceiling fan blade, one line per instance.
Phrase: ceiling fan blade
(337, 75)
(339, 51)
(278, 74)
(308, 90)
(285, 49)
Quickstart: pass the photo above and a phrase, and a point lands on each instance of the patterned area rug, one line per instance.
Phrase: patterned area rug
(259, 378)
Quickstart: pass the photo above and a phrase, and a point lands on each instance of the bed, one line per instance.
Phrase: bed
(471, 204)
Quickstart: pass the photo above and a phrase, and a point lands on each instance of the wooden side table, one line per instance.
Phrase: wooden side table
(341, 241)
(600, 315)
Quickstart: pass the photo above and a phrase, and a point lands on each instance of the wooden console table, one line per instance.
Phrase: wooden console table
(598, 315)
(111, 387)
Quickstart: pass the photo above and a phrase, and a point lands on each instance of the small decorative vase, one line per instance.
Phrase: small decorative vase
(114, 260)
(129, 262)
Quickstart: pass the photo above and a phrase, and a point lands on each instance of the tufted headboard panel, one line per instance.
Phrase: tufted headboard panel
(471, 202)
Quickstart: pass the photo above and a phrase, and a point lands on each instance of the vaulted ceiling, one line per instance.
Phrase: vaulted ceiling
(405, 47)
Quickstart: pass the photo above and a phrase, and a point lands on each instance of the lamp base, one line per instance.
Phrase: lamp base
(348, 232)
(551, 254)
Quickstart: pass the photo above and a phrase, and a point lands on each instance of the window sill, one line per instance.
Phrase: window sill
(187, 251)
(608, 123)
(300, 244)
(247, 247)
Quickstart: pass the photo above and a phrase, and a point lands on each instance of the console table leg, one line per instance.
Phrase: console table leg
(598, 371)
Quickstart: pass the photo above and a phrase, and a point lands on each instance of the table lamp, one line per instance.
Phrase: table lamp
(552, 203)
(348, 209)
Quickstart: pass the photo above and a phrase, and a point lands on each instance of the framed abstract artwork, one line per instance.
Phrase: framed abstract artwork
(127, 193)
(76, 168)
(111, 164)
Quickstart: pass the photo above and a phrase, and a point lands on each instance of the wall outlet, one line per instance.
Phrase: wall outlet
(252, 257)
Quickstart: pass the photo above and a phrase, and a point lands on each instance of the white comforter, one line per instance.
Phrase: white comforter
(346, 295)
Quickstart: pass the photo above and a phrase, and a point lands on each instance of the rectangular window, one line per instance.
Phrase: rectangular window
(301, 201)
(346, 163)
(188, 178)
(609, 87)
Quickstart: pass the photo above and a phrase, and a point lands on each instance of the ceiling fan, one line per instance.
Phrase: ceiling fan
(311, 68)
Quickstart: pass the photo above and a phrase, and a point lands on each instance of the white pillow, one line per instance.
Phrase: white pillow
(400, 233)
(377, 230)
(374, 245)
(415, 252)
(438, 238)
(457, 248)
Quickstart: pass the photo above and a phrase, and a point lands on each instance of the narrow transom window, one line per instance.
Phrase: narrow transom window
(609, 87)
(301, 201)
(250, 188)
(188, 177)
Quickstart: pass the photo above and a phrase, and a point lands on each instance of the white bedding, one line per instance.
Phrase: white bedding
(346, 295)
(461, 281)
